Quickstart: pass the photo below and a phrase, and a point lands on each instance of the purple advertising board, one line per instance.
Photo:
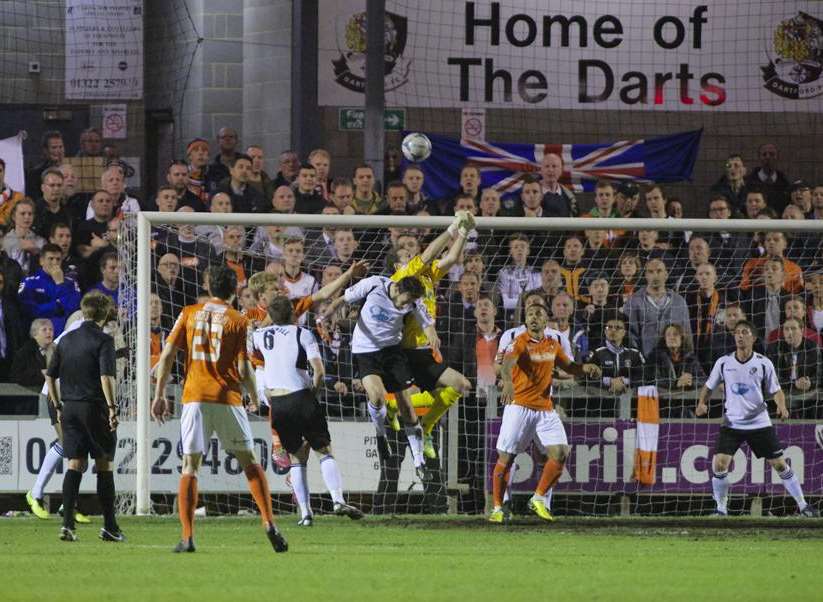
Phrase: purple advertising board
(602, 459)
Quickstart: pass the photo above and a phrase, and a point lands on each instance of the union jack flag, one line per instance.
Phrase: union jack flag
(505, 165)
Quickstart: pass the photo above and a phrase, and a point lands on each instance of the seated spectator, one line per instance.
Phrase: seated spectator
(8, 197)
(558, 201)
(74, 201)
(775, 247)
(194, 253)
(763, 303)
(649, 246)
(244, 198)
(90, 236)
(722, 339)
(307, 199)
(366, 201)
(755, 204)
(413, 180)
(652, 306)
(50, 208)
(551, 283)
(470, 186)
(572, 268)
(603, 201)
(235, 256)
(815, 302)
(730, 248)
(768, 178)
(627, 200)
(600, 306)
(458, 318)
(800, 195)
(166, 199)
(629, 269)
(517, 277)
(288, 164)
(12, 333)
(674, 362)
(530, 200)
(794, 307)
(342, 196)
(220, 168)
(796, 359)
(284, 201)
(21, 243)
(802, 246)
(597, 257)
(109, 283)
(48, 293)
(320, 243)
(177, 178)
(732, 184)
(395, 199)
(54, 153)
(173, 291)
(220, 203)
(30, 361)
(622, 367)
(158, 335)
(343, 250)
(258, 178)
(268, 242)
(113, 181)
(60, 235)
(489, 203)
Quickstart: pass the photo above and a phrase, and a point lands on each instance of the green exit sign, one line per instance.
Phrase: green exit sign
(394, 120)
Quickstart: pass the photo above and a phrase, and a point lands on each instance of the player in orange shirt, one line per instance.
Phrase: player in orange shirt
(266, 286)
(214, 337)
(527, 377)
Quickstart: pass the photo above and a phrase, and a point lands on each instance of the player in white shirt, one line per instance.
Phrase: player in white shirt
(745, 375)
(288, 351)
(381, 361)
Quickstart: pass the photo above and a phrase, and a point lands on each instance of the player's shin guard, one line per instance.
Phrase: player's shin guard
(414, 434)
(443, 399)
(53, 458)
(332, 478)
(792, 485)
(71, 488)
(552, 470)
(300, 486)
(500, 477)
(378, 418)
(187, 504)
(720, 490)
(105, 493)
(259, 488)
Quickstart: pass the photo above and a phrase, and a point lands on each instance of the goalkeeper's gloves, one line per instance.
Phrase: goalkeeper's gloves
(456, 222)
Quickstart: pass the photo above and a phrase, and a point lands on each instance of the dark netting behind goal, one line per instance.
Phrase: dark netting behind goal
(636, 447)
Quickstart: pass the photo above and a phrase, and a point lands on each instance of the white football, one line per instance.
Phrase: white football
(416, 147)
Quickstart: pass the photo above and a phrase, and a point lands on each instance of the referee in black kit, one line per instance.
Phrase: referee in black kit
(84, 362)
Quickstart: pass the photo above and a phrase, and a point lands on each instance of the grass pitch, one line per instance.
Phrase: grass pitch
(411, 558)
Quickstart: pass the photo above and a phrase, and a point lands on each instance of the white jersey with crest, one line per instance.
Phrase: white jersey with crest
(745, 382)
(286, 351)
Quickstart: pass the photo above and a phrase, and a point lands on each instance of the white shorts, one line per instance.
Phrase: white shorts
(520, 425)
(259, 377)
(199, 420)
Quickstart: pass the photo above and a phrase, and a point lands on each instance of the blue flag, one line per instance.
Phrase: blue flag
(504, 166)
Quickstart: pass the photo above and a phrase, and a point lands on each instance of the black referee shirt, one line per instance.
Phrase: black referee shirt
(81, 358)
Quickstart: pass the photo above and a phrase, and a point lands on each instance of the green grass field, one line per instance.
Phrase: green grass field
(409, 558)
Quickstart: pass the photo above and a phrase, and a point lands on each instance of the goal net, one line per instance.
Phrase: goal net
(647, 457)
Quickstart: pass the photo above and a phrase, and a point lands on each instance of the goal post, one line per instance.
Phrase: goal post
(139, 256)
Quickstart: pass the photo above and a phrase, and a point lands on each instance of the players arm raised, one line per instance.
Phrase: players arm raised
(459, 228)
(357, 270)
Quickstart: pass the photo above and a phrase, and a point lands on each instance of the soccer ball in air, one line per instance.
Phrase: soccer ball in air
(416, 147)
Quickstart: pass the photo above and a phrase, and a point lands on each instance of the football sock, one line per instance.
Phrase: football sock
(444, 398)
(720, 488)
(259, 488)
(300, 486)
(792, 485)
(500, 477)
(71, 488)
(332, 478)
(549, 498)
(414, 434)
(552, 470)
(187, 504)
(105, 493)
(507, 494)
(378, 417)
(50, 462)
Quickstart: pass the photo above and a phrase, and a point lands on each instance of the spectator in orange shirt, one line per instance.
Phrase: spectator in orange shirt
(775, 247)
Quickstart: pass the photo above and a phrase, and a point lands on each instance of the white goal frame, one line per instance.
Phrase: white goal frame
(145, 221)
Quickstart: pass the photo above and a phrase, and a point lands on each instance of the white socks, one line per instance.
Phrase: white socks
(332, 478)
(415, 436)
(720, 488)
(792, 485)
(53, 457)
(300, 486)
(378, 417)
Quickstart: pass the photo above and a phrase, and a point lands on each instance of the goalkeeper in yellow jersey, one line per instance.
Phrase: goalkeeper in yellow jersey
(440, 386)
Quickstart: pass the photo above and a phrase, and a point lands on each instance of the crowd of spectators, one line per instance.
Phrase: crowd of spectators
(678, 294)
